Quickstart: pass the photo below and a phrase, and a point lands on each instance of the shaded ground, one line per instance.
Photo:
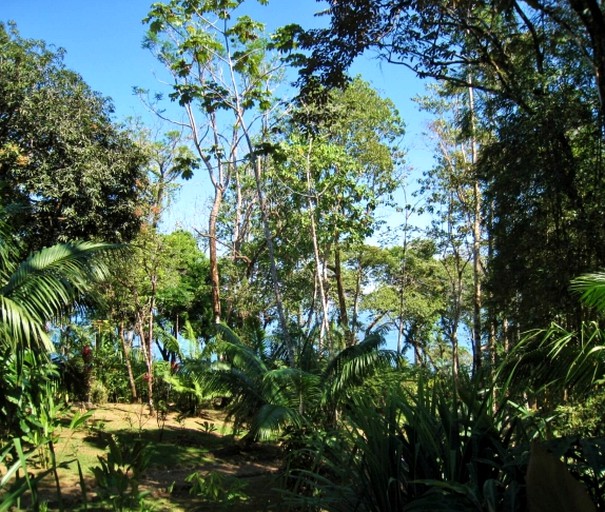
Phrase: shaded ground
(238, 478)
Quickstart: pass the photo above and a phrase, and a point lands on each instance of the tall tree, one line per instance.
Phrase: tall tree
(184, 291)
(340, 165)
(423, 284)
(541, 168)
(67, 171)
(223, 79)
(452, 190)
(499, 43)
(133, 293)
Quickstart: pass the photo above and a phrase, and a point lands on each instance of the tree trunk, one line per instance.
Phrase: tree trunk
(212, 247)
(455, 361)
(342, 303)
(126, 349)
(147, 354)
(402, 287)
(319, 280)
(477, 350)
(150, 401)
(357, 295)
(274, 274)
(477, 274)
(590, 13)
(145, 327)
(311, 203)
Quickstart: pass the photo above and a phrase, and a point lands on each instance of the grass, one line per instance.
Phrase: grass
(178, 447)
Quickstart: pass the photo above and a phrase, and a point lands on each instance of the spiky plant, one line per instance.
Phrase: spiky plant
(425, 448)
(264, 396)
(554, 366)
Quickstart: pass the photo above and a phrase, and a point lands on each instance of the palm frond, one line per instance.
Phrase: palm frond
(19, 329)
(272, 418)
(230, 381)
(51, 279)
(294, 377)
(355, 364)
(557, 359)
(170, 342)
(45, 285)
(239, 355)
(292, 387)
(592, 289)
(369, 344)
(228, 334)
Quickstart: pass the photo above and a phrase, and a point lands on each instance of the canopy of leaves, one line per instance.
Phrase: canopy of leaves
(67, 171)
(536, 70)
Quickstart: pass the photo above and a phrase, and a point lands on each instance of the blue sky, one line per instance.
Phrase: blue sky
(102, 40)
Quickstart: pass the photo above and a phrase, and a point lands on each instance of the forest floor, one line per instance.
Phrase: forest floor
(235, 477)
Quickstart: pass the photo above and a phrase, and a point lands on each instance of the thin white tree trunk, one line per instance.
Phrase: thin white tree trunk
(273, 266)
(477, 263)
(311, 202)
(126, 348)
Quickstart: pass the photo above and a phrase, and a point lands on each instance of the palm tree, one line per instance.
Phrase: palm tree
(555, 364)
(592, 289)
(42, 287)
(33, 292)
(267, 396)
(262, 394)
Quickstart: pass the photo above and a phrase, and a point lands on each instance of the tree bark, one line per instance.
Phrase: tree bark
(342, 302)
(212, 249)
(311, 203)
(357, 295)
(145, 337)
(476, 228)
(591, 15)
(126, 348)
(273, 266)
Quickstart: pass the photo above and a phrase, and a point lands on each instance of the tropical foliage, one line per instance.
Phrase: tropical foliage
(81, 176)
(452, 359)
